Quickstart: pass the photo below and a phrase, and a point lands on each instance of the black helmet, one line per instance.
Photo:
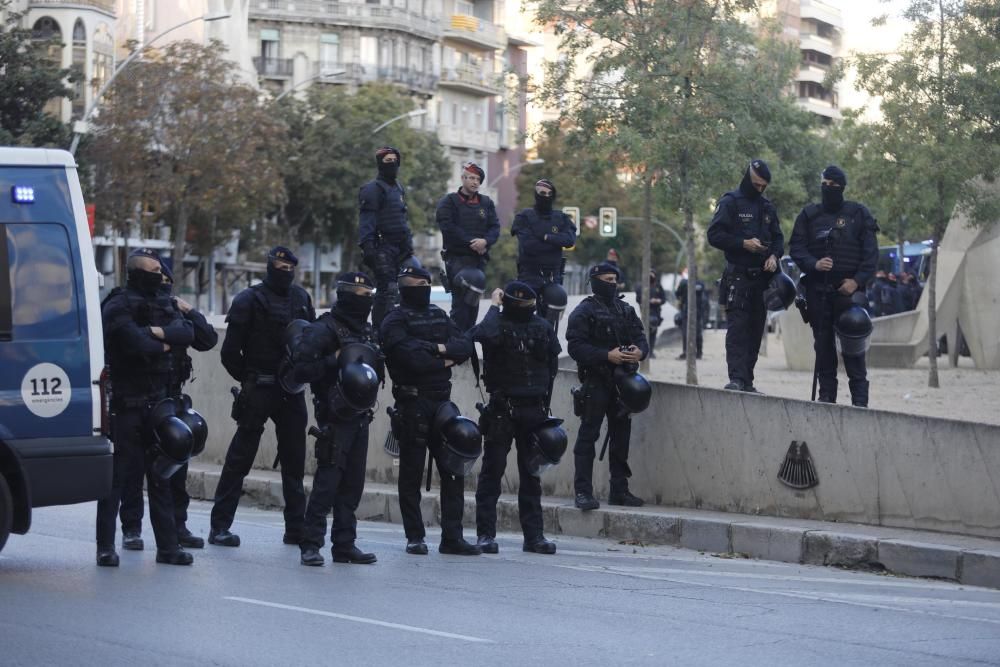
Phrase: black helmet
(548, 444)
(290, 339)
(362, 353)
(554, 299)
(780, 292)
(445, 413)
(461, 445)
(359, 385)
(173, 443)
(472, 283)
(854, 330)
(634, 390)
(199, 429)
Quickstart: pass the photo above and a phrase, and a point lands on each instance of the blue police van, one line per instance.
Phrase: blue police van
(54, 448)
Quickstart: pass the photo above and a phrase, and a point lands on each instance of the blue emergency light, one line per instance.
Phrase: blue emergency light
(22, 194)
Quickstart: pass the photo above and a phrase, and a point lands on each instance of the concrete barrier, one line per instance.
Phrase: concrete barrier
(712, 449)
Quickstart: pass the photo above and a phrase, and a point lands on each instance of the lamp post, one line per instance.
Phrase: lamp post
(409, 114)
(81, 125)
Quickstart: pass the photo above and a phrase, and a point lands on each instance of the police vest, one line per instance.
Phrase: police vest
(342, 334)
(751, 219)
(839, 235)
(391, 219)
(549, 256)
(271, 314)
(608, 323)
(131, 379)
(470, 218)
(433, 325)
(519, 364)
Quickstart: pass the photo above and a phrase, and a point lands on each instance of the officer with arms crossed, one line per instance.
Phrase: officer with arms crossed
(604, 334)
(251, 353)
(384, 233)
(205, 338)
(542, 232)
(521, 353)
(469, 228)
(746, 228)
(834, 244)
(338, 353)
(421, 344)
(139, 334)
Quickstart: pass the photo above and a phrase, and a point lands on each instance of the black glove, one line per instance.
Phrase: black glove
(429, 347)
(368, 252)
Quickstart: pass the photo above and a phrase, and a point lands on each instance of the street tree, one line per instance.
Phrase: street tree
(935, 131)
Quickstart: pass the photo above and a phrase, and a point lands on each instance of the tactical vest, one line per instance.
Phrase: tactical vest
(472, 219)
(137, 380)
(271, 314)
(549, 258)
(608, 324)
(519, 365)
(344, 334)
(845, 230)
(751, 219)
(433, 325)
(391, 222)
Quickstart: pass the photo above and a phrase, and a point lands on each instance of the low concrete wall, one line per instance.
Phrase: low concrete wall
(712, 449)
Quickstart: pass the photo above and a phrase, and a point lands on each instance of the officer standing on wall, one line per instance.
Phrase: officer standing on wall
(205, 338)
(835, 246)
(421, 344)
(384, 233)
(603, 333)
(746, 228)
(521, 355)
(322, 359)
(542, 232)
(657, 297)
(469, 228)
(139, 335)
(251, 353)
(701, 312)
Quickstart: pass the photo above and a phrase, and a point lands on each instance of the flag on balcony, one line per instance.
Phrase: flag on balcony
(464, 22)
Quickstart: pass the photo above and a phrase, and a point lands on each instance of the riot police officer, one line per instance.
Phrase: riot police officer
(542, 232)
(384, 233)
(330, 355)
(421, 344)
(746, 228)
(834, 244)
(657, 297)
(205, 338)
(251, 353)
(701, 312)
(521, 353)
(603, 333)
(139, 334)
(469, 228)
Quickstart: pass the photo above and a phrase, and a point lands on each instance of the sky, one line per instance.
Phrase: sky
(861, 36)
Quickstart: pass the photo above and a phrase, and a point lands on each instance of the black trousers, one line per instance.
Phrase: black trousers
(417, 414)
(698, 340)
(386, 287)
(132, 506)
(132, 459)
(288, 412)
(747, 315)
(825, 306)
(338, 486)
(601, 401)
(503, 429)
(463, 314)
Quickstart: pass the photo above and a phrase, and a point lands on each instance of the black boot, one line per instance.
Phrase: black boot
(174, 556)
(189, 540)
(311, 556)
(539, 546)
(487, 544)
(132, 542)
(223, 538)
(416, 548)
(458, 547)
(734, 385)
(625, 498)
(352, 554)
(106, 556)
(586, 502)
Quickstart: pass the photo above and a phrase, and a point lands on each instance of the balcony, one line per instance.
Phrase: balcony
(813, 42)
(819, 107)
(452, 135)
(104, 6)
(274, 68)
(474, 32)
(812, 72)
(471, 80)
(821, 11)
(330, 12)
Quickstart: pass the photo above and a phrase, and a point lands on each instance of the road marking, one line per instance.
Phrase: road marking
(361, 619)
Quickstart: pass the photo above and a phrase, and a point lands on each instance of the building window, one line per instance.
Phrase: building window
(270, 43)
(466, 8)
(329, 50)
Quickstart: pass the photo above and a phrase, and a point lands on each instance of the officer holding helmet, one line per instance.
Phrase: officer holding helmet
(139, 335)
(384, 234)
(469, 228)
(339, 343)
(835, 245)
(521, 353)
(542, 232)
(421, 344)
(605, 338)
(252, 352)
(205, 338)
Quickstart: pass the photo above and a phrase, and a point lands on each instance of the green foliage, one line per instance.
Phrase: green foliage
(29, 78)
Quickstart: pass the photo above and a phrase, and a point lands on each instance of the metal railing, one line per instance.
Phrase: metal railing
(273, 66)
(105, 5)
(463, 26)
(349, 13)
(474, 76)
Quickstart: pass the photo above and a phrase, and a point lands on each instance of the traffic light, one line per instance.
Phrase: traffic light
(574, 214)
(608, 221)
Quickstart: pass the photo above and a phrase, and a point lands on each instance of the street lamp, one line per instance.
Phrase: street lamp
(408, 114)
(508, 172)
(329, 74)
(81, 125)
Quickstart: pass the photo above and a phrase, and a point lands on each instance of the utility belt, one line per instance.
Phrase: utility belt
(138, 402)
(547, 273)
(400, 241)
(596, 374)
(403, 392)
(737, 271)
(261, 379)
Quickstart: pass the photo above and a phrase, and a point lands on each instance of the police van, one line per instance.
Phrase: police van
(54, 448)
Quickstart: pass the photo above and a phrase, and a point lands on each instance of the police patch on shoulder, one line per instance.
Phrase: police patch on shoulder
(554, 229)
(841, 223)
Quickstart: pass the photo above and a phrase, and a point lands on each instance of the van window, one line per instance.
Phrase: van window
(42, 288)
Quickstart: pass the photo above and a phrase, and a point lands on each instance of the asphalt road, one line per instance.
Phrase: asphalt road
(594, 603)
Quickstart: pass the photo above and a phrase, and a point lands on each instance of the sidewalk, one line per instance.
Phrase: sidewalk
(967, 560)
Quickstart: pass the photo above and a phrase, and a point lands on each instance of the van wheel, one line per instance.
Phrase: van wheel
(6, 511)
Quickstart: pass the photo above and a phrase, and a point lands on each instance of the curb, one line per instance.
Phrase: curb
(763, 538)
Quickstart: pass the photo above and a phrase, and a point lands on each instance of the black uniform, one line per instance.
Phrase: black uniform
(421, 383)
(141, 374)
(462, 219)
(205, 338)
(385, 239)
(521, 362)
(340, 473)
(595, 327)
(541, 238)
(252, 349)
(655, 311)
(701, 307)
(738, 218)
(847, 235)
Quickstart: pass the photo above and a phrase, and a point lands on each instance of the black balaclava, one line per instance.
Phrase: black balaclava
(833, 197)
(147, 282)
(166, 286)
(279, 280)
(415, 296)
(388, 171)
(353, 305)
(544, 204)
(518, 301)
(746, 185)
(604, 291)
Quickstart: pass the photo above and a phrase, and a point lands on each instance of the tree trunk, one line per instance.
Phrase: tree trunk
(932, 336)
(647, 240)
(180, 237)
(691, 351)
